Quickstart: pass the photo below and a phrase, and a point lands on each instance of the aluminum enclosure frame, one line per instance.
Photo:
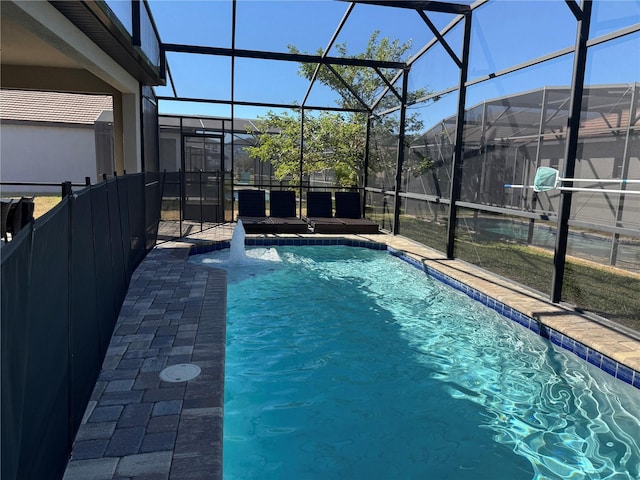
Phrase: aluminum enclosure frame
(464, 14)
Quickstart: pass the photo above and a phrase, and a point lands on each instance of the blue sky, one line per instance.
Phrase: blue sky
(505, 33)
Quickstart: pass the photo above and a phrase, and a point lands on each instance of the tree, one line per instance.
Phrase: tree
(336, 141)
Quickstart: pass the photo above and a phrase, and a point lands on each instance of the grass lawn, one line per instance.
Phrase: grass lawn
(609, 292)
(43, 202)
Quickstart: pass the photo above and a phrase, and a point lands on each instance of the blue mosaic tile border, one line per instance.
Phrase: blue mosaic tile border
(609, 365)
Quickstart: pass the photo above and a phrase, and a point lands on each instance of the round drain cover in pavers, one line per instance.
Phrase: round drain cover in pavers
(180, 373)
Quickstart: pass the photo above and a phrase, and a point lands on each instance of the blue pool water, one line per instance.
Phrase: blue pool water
(347, 363)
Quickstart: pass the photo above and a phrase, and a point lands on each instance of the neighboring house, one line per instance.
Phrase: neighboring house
(51, 137)
(79, 48)
(506, 139)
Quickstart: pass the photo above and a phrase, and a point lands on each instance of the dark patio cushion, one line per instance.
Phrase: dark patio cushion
(282, 203)
(348, 205)
(319, 204)
(251, 203)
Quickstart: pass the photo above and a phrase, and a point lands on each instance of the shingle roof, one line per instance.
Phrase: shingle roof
(39, 106)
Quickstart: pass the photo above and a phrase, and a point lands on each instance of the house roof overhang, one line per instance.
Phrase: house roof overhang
(98, 23)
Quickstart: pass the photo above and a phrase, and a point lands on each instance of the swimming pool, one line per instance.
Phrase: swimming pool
(348, 363)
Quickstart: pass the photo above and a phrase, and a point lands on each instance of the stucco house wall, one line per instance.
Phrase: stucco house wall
(52, 154)
(48, 137)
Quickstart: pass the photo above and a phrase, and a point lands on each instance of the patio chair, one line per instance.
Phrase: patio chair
(6, 206)
(319, 214)
(251, 210)
(282, 213)
(349, 211)
(16, 217)
(28, 207)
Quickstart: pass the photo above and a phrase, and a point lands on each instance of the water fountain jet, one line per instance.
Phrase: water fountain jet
(237, 254)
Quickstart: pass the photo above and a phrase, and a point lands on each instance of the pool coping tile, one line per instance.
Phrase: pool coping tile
(605, 350)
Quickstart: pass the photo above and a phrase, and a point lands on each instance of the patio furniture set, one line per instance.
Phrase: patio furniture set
(320, 218)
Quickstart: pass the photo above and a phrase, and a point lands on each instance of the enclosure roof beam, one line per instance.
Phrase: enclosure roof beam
(559, 53)
(348, 87)
(575, 9)
(326, 50)
(440, 38)
(388, 83)
(443, 32)
(261, 104)
(287, 57)
(386, 90)
(173, 85)
(429, 5)
(424, 50)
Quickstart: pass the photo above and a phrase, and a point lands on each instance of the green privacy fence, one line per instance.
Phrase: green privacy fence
(64, 278)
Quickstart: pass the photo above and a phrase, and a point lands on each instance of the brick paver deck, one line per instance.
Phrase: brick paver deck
(136, 425)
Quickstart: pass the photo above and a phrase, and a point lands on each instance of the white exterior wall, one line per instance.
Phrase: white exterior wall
(96, 72)
(32, 153)
(132, 144)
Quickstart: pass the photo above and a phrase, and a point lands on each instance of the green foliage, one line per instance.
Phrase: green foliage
(364, 81)
(330, 143)
(423, 165)
(336, 141)
(280, 148)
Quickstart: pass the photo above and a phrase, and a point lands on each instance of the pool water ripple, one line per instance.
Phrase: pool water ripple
(347, 363)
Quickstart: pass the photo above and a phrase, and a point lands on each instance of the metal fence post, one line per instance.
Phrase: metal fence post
(67, 192)
(66, 189)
